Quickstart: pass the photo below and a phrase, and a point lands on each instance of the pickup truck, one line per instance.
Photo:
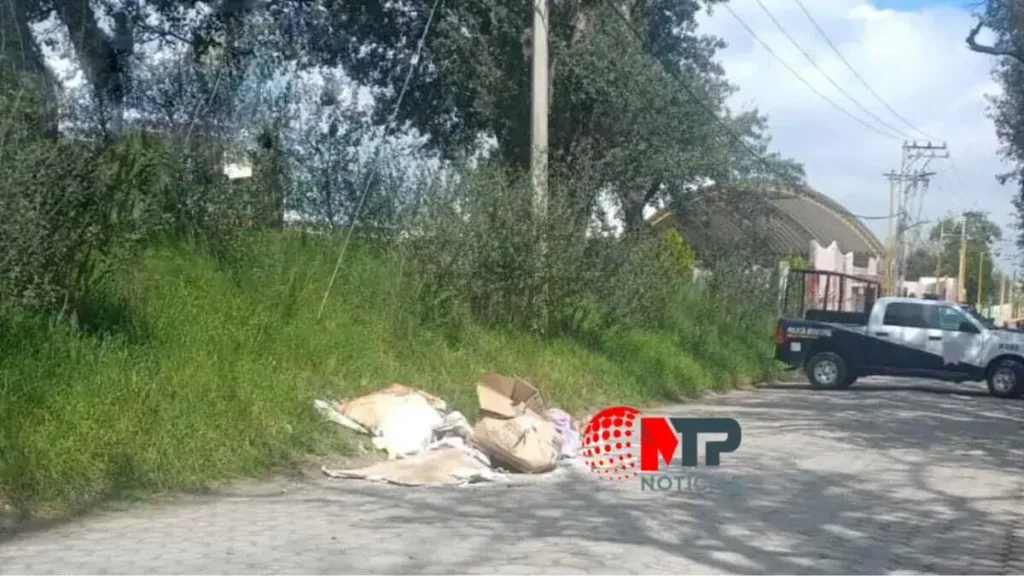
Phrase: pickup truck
(909, 337)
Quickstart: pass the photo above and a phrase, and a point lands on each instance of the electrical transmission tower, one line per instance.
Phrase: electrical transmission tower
(905, 188)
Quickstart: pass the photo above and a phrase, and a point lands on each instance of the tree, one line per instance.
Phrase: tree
(637, 105)
(921, 262)
(981, 235)
(619, 105)
(1006, 21)
(107, 57)
(21, 60)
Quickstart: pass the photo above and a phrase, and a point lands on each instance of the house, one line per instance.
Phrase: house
(808, 224)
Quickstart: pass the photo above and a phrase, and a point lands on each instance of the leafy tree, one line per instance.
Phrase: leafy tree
(921, 262)
(639, 111)
(618, 105)
(981, 235)
(21, 60)
(1005, 19)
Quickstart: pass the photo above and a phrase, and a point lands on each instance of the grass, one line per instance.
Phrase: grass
(191, 372)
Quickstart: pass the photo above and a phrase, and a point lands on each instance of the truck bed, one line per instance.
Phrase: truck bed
(797, 337)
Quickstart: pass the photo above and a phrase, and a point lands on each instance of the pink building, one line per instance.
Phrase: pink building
(841, 295)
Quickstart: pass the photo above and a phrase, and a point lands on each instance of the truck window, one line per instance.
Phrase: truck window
(950, 319)
(908, 315)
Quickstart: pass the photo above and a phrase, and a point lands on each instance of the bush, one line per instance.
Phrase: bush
(74, 212)
(77, 210)
(478, 253)
(680, 251)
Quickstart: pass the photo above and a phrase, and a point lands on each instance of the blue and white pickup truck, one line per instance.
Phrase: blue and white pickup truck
(910, 337)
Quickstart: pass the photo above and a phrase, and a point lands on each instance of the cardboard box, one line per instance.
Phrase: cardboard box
(526, 443)
(512, 430)
(507, 397)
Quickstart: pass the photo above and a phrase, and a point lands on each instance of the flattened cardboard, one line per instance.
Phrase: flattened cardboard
(507, 397)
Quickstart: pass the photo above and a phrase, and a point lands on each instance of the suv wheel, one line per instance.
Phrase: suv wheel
(1006, 379)
(828, 370)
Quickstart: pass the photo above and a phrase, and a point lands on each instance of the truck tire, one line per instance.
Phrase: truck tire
(827, 370)
(1006, 379)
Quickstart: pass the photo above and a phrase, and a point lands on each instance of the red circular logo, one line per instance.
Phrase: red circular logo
(611, 443)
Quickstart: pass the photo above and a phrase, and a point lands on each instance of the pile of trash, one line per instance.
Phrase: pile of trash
(427, 443)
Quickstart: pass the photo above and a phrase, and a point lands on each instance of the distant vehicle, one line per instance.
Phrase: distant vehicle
(893, 336)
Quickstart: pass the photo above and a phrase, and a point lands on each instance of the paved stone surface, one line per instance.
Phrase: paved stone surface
(885, 477)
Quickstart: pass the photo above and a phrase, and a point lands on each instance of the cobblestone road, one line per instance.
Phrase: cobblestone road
(881, 478)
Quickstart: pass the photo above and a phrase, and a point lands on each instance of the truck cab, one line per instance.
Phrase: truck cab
(904, 337)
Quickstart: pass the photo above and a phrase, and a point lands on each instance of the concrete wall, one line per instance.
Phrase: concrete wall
(944, 288)
(830, 258)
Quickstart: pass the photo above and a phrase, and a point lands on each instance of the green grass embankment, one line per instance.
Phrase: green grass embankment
(193, 372)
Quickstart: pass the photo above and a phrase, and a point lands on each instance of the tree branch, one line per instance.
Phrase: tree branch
(972, 43)
(163, 33)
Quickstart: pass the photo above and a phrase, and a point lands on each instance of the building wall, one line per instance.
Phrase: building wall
(944, 288)
(831, 259)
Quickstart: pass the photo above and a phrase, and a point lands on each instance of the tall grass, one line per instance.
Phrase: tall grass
(189, 370)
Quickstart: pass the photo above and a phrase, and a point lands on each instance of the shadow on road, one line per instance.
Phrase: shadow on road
(912, 512)
(852, 482)
(917, 386)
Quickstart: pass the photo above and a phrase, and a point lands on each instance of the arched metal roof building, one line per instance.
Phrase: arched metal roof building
(802, 215)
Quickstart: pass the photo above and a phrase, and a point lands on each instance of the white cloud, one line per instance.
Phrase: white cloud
(916, 60)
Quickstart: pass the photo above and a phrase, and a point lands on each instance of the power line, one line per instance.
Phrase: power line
(956, 170)
(413, 61)
(804, 80)
(857, 74)
(700, 101)
(831, 81)
(725, 126)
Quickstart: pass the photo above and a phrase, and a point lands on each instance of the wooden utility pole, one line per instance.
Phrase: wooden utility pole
(539, 110)
(981, 276)
(939, 283)
(961, 281)
(1013, 295)
(1002, 289)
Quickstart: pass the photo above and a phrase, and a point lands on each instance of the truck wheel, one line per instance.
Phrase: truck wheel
(827, 370)
(1006, 379)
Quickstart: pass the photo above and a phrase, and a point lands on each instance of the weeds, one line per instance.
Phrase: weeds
(195, 352)
(223, 384)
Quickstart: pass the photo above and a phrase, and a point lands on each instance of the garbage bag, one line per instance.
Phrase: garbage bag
(563, 423)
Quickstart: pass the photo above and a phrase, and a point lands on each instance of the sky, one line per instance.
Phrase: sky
(912, 53)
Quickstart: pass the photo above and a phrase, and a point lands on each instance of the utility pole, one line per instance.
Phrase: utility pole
(961, 281)
(902, 185)
(981, 276)
(1013, 296)
(938, 260)
(891, 287)
(1002, 289)
(539, 110)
